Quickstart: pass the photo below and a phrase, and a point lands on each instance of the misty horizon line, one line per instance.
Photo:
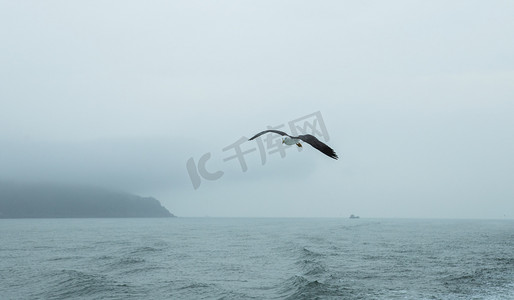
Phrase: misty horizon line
(88, 187)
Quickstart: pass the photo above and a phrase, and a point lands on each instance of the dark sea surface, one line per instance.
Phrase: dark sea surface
(217, 258)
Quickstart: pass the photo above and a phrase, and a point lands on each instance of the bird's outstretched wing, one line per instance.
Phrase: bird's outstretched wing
(314, 142)
(266, 131)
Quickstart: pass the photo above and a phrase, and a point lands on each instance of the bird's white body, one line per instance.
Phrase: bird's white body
(289, 141)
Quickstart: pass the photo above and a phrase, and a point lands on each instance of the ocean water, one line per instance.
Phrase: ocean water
(217, 258)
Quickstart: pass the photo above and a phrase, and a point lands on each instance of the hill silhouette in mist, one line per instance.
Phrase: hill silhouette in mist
(58, 201)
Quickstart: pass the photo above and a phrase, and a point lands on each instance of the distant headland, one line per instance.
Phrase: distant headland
(59, 201)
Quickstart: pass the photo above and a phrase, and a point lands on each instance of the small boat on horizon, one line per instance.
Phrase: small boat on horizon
(352, 216)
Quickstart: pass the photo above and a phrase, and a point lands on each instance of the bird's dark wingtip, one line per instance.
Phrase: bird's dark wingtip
(332, 154)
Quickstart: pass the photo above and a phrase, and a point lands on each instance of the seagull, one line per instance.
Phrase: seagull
(308, 138)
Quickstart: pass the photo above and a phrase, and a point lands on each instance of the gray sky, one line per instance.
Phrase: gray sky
(417, 97)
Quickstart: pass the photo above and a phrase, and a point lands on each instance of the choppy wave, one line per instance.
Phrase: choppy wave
(261, 259)
(76, 284)
(299, 287)
(313, 280)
